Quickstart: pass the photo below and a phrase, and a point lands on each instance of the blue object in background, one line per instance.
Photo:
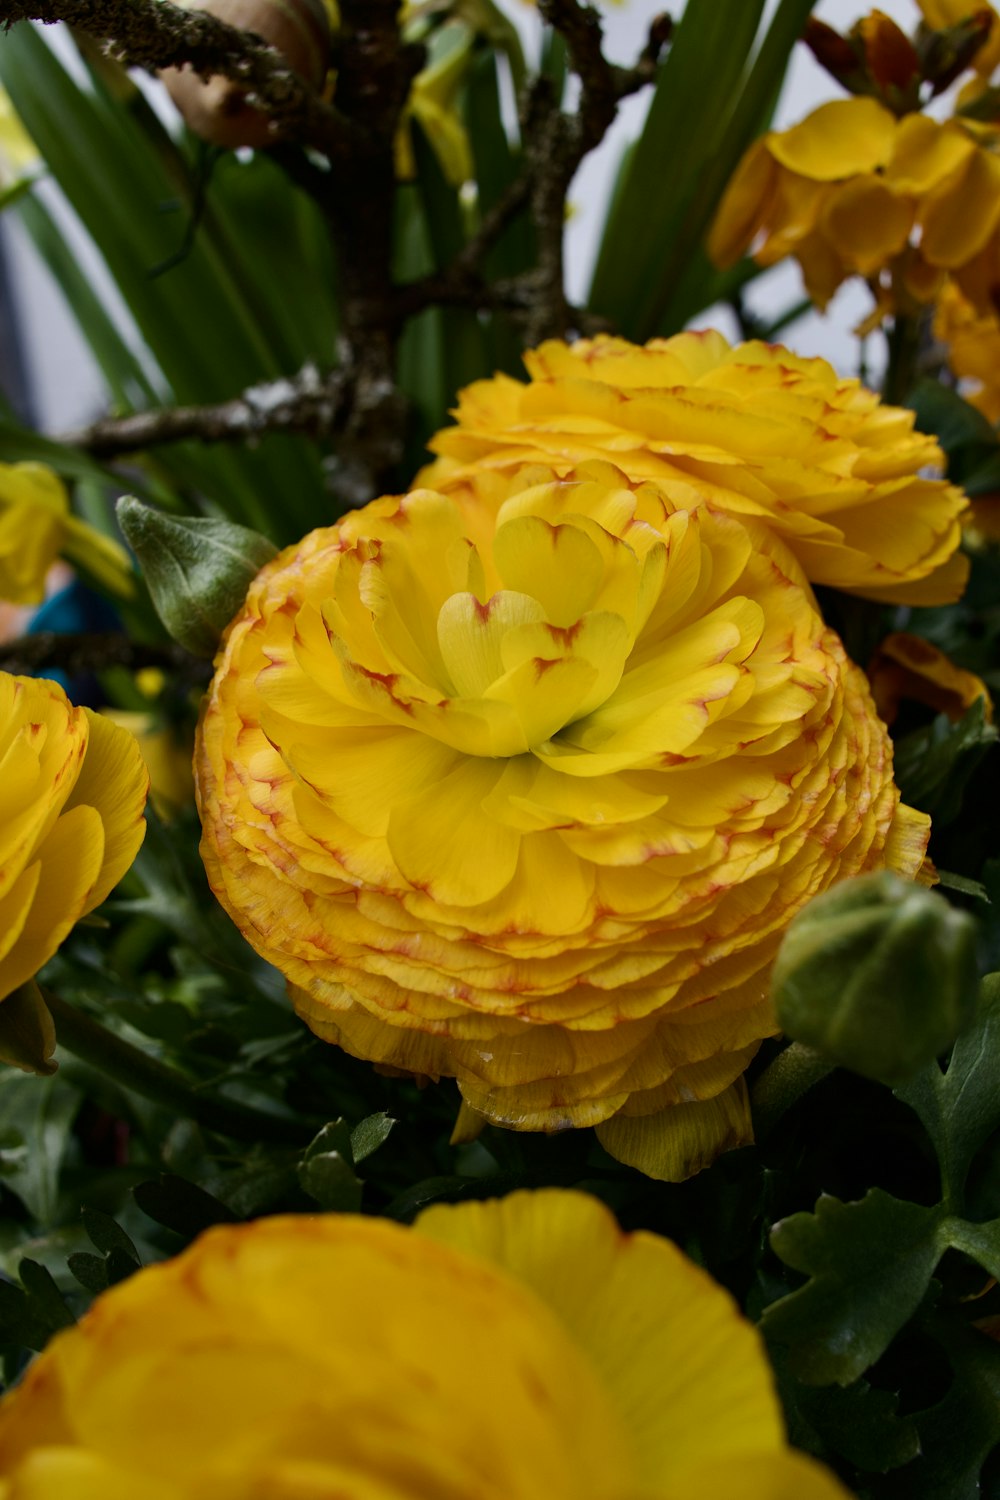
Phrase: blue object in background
(75, 610)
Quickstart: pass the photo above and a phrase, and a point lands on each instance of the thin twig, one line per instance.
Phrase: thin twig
(307, 403)
(92, 652)
(156, 34)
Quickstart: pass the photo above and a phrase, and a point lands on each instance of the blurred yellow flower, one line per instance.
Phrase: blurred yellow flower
(18, 152)
(167, 755)
(752, 430)
(37, 526)
(973, 341)
(854, 190)
(72, 792)
(433, 104)
(942, 14)
(521, 784)
(516, 1350)
(906, 668)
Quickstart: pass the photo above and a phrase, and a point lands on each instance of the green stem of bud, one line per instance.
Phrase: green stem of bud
(782, 1084)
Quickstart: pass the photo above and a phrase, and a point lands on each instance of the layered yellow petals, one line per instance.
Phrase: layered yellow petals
(521, 784)
(854, 190)
(72, 792)
(36, 526)
(752, 430)
(323, 1357)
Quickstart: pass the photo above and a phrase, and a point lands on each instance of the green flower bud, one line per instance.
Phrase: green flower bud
(878, 974)
(198, 570)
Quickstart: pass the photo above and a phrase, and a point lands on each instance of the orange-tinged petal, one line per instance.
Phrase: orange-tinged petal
(680, 1141)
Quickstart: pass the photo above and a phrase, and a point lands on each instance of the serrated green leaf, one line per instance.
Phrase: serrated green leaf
(335, 1136)
(19, 1326)
(960, 1107)
(934, 765)
(181, 1205)
(106, 1233)
(330, 1180)
(44, 1297)
(962, 1430)
(371, 1133)
(860, 1424)
(869, 1266)
(91, 1271)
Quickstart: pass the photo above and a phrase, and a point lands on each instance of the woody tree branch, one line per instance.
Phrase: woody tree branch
(156, 34)
(358, 404)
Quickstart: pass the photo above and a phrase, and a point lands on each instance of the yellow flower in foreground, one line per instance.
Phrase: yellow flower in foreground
(516, 1350)
(852, 189)
(752, 430)
(37, 526)
(521, 784)
(72, 792)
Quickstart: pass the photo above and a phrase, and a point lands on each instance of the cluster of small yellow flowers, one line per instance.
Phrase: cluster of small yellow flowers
(37, 526)
(973, 343)
(72, 795)
(871, 186)
(519, 778)
(515, 1350)
(853, 190)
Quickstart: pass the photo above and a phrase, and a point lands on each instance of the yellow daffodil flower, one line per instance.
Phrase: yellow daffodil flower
(516, 1350)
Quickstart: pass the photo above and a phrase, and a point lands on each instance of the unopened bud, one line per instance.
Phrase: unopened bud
(878, 974)
(197, 570)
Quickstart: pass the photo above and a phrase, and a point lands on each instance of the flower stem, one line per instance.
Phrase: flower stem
(791, 1074)
(136, 1071)
(904, 339)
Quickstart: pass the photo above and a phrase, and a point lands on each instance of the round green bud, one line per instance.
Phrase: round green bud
(197, 570)
(879, 975)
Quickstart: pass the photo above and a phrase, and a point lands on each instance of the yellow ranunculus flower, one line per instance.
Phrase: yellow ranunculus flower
(522, 783)
(853, 190)
(37, 526)
(753, 430)
(522, 1349)
(72, 792)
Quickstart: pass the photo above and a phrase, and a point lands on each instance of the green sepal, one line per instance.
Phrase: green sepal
(197, 569)
(27, 1032)
(878, 974)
